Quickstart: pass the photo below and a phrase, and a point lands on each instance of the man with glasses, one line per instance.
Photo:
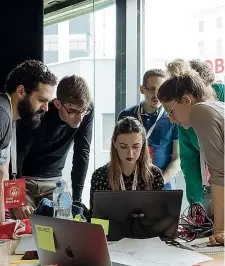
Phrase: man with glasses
(162, 136)
(42, 153)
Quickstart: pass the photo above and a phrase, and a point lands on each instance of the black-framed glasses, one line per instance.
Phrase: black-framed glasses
(76, 112)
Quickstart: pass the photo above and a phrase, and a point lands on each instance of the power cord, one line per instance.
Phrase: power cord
(194, 223)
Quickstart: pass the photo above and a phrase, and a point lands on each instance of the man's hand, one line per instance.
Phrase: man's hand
(24, 212)
(217, 238)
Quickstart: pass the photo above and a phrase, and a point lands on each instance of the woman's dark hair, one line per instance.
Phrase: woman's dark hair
(176, 87)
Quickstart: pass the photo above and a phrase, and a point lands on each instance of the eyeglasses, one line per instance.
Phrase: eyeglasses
(171, 110)
(75, 112)
(151, 90)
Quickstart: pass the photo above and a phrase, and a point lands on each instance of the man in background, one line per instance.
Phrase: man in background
(42, 153)
(162, 136)
(29, 88)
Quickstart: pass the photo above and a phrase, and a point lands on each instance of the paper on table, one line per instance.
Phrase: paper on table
(152, 252)
(136, 245)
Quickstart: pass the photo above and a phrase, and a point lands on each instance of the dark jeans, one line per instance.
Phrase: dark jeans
(36, 191)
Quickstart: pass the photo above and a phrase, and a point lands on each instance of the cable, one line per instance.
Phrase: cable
(194, 223)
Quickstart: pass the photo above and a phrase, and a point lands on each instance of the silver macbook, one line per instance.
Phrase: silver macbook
(76, 243)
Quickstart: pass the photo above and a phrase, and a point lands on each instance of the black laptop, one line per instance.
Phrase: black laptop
(139, 214)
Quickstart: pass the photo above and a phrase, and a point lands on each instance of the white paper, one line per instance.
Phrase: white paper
(152, 252)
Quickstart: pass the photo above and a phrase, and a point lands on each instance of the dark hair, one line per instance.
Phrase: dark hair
(203, 70)
(152, 73)
(29, 74)
(176, 87)
(74, 89)
(130, 125)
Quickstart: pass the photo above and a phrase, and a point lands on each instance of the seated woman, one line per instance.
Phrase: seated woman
(184, 98)
(130, 166)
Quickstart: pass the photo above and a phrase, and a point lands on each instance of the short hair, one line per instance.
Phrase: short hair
(203, 70)
(152, 73)
(177, 67)
(73, 89)
(176, 87)
(29, 74)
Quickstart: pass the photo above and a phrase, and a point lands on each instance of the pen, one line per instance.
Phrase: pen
(24, 261)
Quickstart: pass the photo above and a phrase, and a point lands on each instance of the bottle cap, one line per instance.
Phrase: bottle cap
(59, 183)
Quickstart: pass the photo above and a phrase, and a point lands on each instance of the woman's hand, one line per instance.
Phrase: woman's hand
(217, 238)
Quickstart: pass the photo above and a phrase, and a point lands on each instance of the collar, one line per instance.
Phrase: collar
(156, 113)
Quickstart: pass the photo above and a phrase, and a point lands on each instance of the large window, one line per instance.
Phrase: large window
(177, 29)
(107, 130)
(187, 31)
(80, 51)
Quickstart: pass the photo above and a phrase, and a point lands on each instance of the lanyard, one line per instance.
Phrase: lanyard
(134, 186)
(13, 152)
(153, 126)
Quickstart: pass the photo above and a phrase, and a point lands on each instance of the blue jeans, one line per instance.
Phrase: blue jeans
(171, 184)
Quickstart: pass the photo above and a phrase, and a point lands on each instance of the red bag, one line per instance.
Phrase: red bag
(15, 229)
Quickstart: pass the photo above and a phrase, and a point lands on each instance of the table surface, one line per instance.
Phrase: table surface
(218, 259)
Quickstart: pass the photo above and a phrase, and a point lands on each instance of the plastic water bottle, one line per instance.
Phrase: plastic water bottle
(64, 203)
(56, 192)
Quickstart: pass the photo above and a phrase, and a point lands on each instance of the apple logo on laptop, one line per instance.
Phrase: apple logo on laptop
(69, 252)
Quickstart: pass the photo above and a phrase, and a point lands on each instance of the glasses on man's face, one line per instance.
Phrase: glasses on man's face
(151, 90)
(75, 112)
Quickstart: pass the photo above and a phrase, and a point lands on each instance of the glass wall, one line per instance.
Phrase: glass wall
(156, 32)
(85, 45)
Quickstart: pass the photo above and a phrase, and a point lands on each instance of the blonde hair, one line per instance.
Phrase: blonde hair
(177, 67)
(129, 125)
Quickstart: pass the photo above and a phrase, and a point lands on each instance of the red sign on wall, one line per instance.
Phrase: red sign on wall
(217, 65)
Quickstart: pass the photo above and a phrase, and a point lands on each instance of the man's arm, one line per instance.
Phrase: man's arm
(82, 143)
(173, 167)
(190, 164)
(121, 115)
(4, 158)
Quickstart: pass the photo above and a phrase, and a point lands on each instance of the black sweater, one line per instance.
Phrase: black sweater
(42, 152)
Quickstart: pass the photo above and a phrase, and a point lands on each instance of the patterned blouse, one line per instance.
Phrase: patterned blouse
(99, 181)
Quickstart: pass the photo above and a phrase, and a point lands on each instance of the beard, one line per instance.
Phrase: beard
(28, 115)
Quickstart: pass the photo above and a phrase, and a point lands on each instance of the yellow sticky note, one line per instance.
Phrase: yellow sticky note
(103, 223)
(77, 218)
(45, 237)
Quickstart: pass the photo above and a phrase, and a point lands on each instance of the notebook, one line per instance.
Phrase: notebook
(26, 243)
(204, 248)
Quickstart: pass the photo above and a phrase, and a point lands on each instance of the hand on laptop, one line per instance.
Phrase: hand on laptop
(23, 213)
(217, 237)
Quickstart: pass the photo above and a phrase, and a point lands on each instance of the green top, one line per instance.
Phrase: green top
(190, 156)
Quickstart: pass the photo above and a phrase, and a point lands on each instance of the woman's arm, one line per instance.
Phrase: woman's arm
(174, 166)
(208, 123)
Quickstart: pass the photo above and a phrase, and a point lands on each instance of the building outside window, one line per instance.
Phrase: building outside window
(201, 26)
(219, 22)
